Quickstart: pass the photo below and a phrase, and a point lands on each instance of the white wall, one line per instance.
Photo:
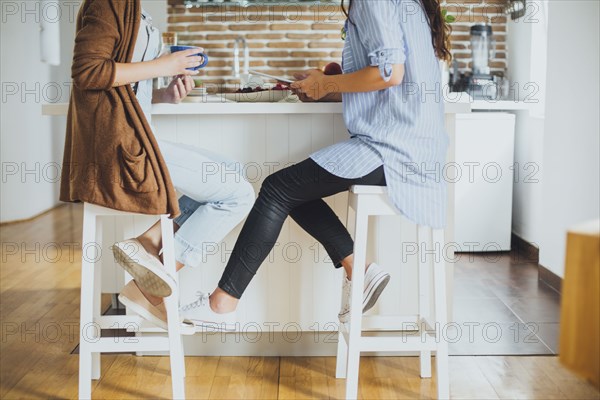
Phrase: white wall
(571, 176)
(158, 10)
(31, 145)
(527, 38)
(28, 140)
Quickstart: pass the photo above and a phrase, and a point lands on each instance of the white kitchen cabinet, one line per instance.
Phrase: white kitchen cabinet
(483, 177)
(291, 306)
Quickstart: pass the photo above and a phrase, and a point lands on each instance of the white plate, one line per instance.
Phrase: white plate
(197, 92)
(210, 98)
(266, 96)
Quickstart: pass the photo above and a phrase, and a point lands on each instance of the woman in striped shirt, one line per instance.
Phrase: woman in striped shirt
(393, 109)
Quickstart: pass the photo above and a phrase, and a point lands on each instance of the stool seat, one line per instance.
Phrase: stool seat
(368, 189)
(426, 328)
(91, 344)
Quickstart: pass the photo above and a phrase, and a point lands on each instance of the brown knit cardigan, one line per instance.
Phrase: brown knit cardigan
(111, 157)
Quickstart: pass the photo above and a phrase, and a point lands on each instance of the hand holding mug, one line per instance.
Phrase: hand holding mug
(183, 60)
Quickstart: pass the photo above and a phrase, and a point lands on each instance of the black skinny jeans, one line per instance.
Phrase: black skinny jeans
(296, 191)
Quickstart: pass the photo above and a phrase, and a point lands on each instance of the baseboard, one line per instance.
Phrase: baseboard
(18, 221)
(550, 278)
(523, 250)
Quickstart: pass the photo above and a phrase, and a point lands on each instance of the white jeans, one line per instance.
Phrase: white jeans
(216, 197)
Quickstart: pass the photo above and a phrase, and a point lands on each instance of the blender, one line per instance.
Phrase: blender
(482, 84)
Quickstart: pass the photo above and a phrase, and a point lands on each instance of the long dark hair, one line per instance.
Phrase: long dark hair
(440, 29)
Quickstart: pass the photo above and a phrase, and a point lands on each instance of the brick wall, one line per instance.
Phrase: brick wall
(289, 36)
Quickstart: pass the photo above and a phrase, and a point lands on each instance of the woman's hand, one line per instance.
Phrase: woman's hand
(311, 85)
(302, 96)
(178, 62)
(330, 97)
(177, 90)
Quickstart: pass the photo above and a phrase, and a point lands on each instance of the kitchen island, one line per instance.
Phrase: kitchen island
(291, 306)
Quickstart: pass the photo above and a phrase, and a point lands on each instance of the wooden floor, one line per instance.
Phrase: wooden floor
(39, 300)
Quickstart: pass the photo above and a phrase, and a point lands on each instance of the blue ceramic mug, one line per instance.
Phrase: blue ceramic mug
(204, 56)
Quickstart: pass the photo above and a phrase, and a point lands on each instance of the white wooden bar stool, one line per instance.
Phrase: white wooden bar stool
(426, 333)
(91, 344)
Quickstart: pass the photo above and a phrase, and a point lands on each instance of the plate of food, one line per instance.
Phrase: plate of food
(258, 94)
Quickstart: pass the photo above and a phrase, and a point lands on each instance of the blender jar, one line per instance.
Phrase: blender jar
(483, 47)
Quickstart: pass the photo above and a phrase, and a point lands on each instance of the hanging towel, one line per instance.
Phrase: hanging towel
(50, 16)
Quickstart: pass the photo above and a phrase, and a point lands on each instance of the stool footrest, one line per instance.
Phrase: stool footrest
(125, 344)
(128, 322)
(390, 322)
(409, 323)
(397, 343)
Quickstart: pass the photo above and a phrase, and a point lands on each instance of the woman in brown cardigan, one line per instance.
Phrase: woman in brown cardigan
(112, 159)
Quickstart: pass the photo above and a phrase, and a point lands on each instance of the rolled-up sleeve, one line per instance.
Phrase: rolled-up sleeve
(378, 23)
(93, 55)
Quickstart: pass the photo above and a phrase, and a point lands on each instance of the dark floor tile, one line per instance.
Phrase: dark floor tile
(482, 310)
(515, 273)
(498, 292)
(480, 263)
(506, 288)
(549, 333)
(472, 288)
(494, 339)
(538, 309)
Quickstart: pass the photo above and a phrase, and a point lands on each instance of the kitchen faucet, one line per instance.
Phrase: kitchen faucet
(236, 57)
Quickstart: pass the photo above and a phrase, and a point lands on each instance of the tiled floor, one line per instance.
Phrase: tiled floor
(501, 308)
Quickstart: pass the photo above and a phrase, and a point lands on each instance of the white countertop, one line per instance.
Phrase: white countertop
(460, 103)
(500, 105)
(215, 108)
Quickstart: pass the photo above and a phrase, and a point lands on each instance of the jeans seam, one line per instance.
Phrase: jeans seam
(186, 250)
(184, 213)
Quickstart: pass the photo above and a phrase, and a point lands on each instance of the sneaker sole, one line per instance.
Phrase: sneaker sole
(374, 290)
(201, 326)
(144, 277)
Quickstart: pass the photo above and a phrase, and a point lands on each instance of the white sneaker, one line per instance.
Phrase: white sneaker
(132, 297)
(200, 313)
(147, 270)
(376, 279)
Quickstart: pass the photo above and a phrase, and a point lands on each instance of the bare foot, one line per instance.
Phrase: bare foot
(151, 246)
(222, 302)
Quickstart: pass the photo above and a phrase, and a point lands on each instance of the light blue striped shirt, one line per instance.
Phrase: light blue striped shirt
(402, 127)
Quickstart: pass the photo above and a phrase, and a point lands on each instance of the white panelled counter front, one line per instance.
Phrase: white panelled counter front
(291, 306)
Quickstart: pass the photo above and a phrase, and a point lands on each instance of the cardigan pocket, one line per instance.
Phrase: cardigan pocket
(136, 172)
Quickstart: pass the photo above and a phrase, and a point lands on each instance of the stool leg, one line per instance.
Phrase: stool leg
(441, 356)
(341, 360)
(356, 302)
(423, 240)
(172, 306)
(96, 367)
(87, 330)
